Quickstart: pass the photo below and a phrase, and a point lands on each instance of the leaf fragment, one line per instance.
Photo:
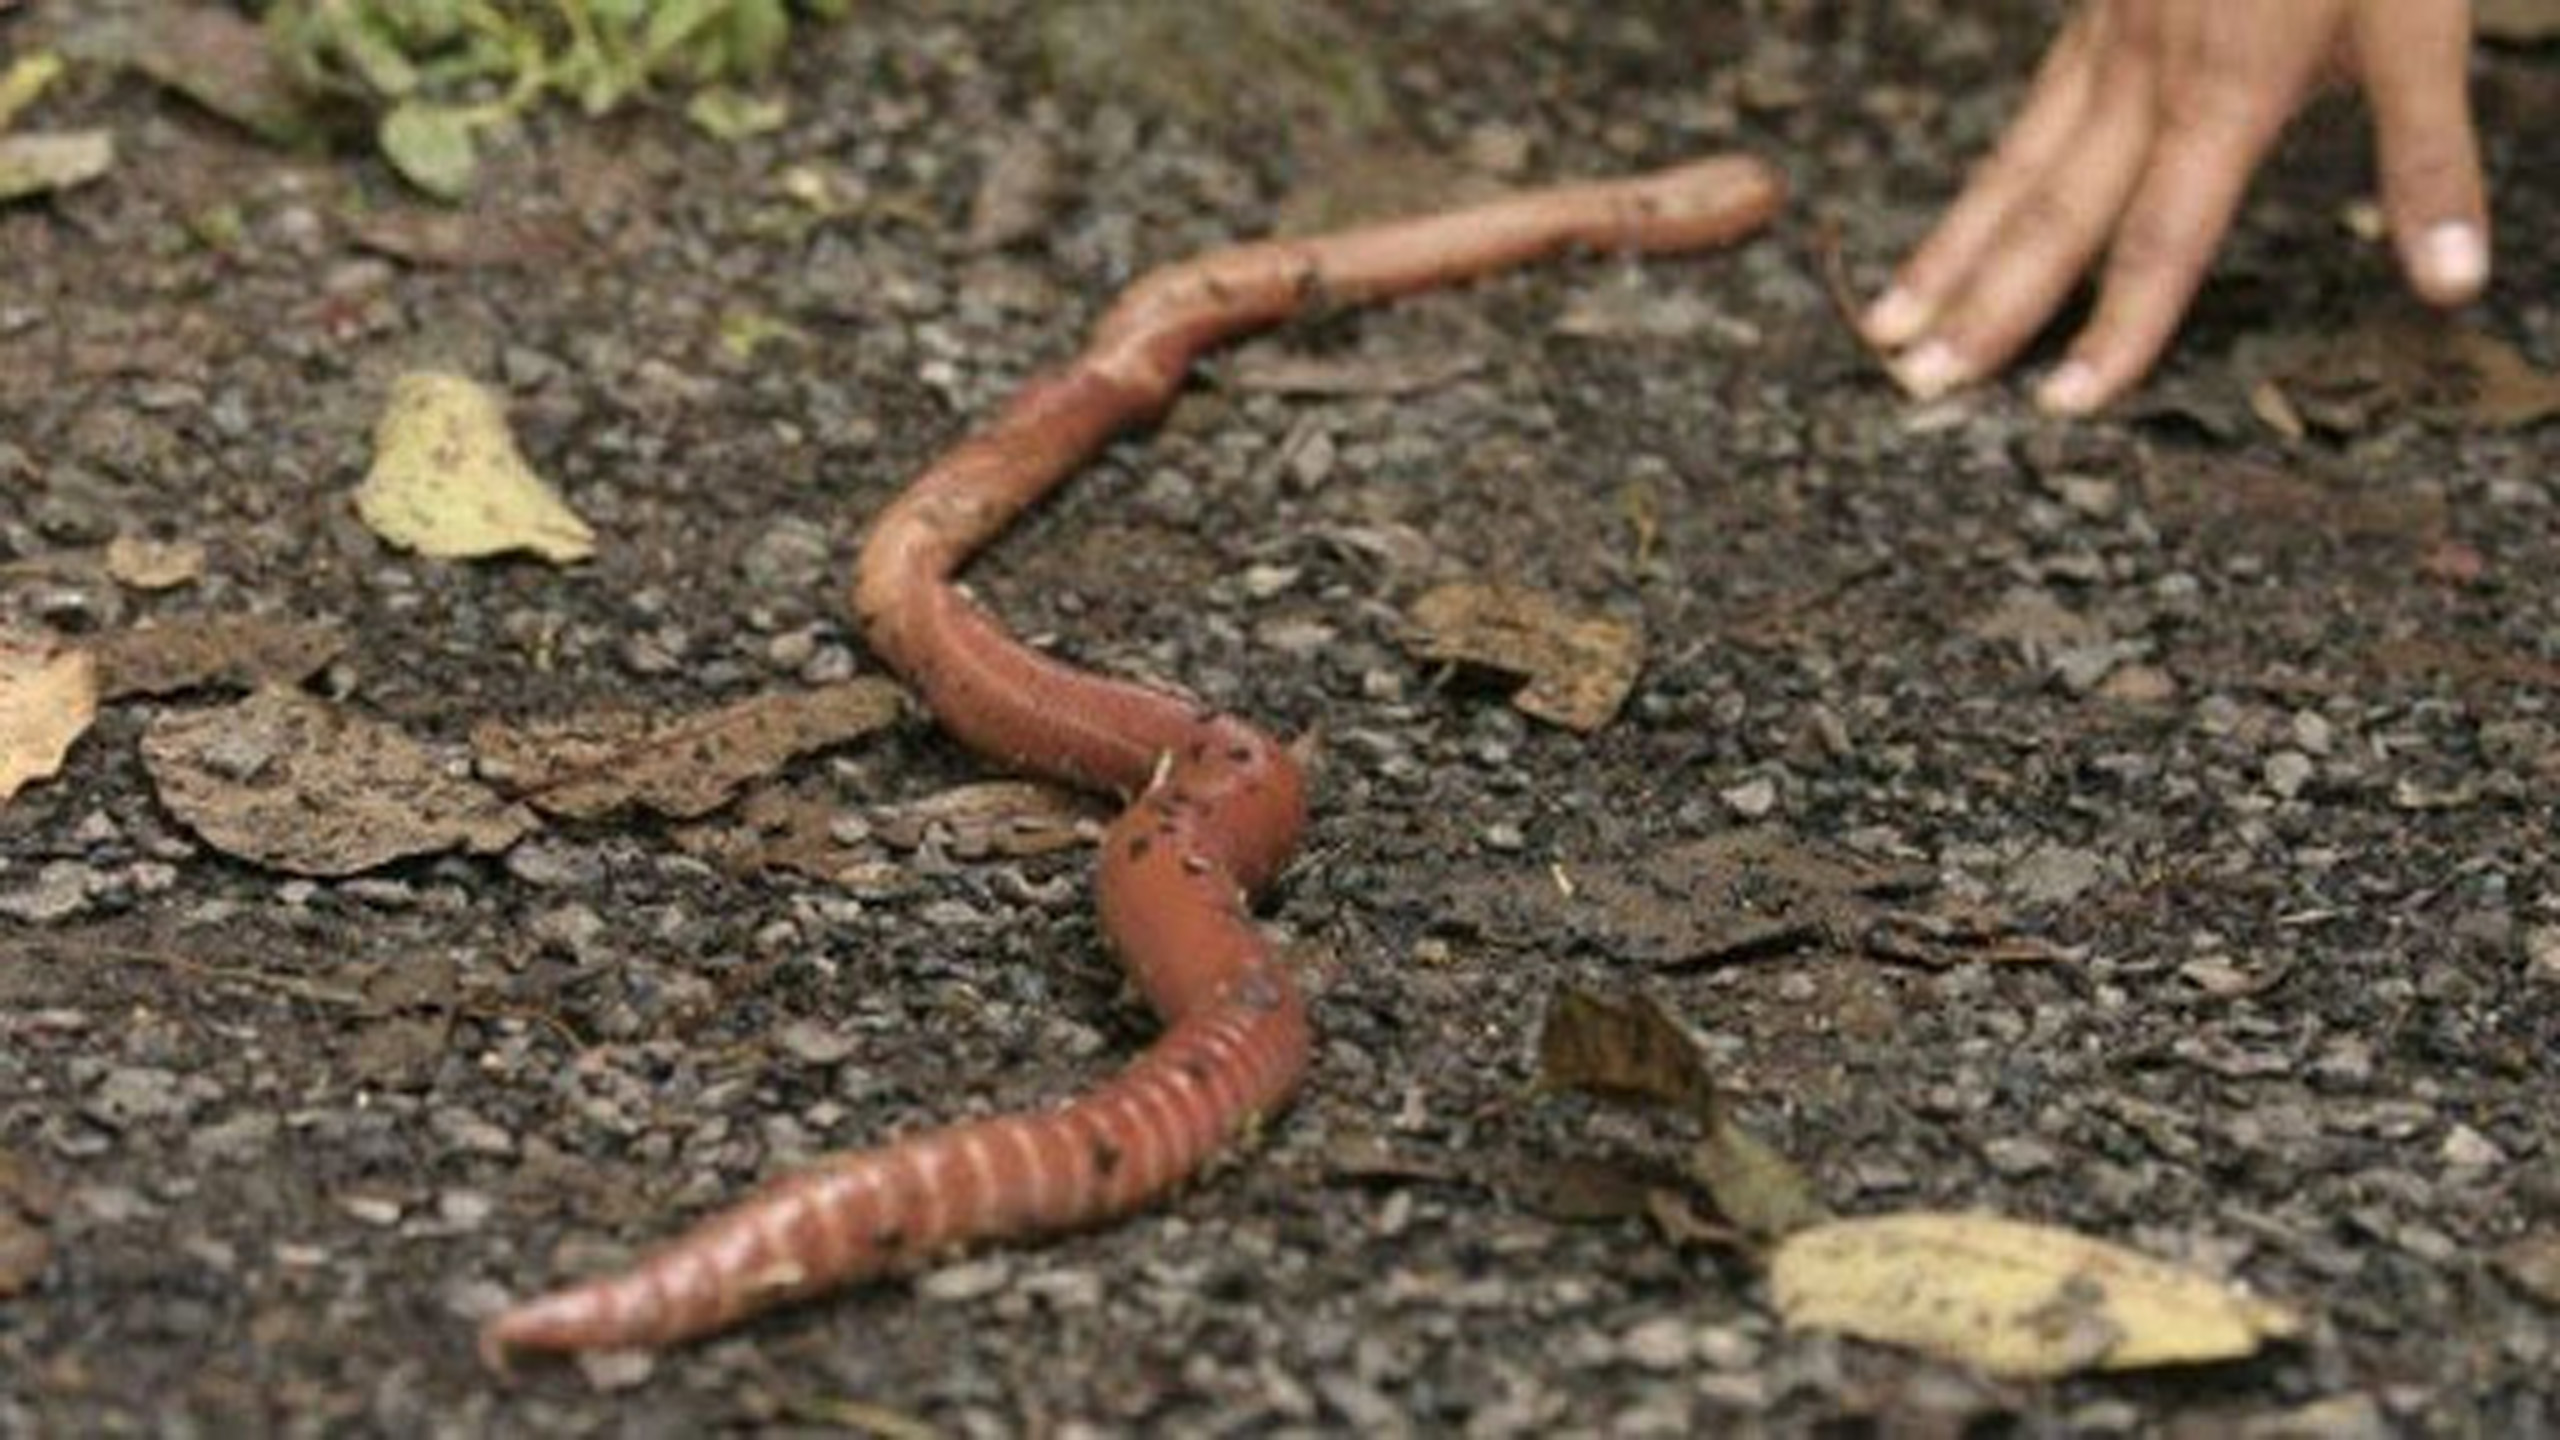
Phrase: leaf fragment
(231, 651)
(432, 146)
(2017, 1299)
(1628, 1049)
(140, 563)
(726, 113)
(805, 834)
(448, 481)
(2353, 379)
(681, 765)
(289, 781)
(27, 77)
(48, 696)
(40, 164)
(998, 817)
(1635, 1049)
(1754, 1185)
(1579, 668)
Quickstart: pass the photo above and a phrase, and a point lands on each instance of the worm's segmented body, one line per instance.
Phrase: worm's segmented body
(1218, 805)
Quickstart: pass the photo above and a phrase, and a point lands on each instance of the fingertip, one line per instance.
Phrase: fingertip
(1895, 319)
(1928, 370)
(2072, 390)
(2448, 262)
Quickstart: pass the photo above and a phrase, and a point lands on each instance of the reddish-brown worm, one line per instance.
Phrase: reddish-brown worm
(1217, 810)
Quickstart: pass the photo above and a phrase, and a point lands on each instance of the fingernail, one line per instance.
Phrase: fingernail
(1894, 319)
(2072, 389)
(1928, 370)
(2454, 257)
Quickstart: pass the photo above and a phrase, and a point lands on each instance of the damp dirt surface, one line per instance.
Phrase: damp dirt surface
(2226, 756)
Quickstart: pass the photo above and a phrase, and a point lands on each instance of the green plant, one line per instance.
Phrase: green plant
(436, 73)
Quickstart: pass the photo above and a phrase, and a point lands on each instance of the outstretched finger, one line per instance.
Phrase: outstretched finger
(2055, 104)
(2197, 174)
(2042, 250)
(2414, 56)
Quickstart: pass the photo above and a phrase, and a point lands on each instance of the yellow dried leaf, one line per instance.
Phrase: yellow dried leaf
(48, 696)
(42, 164)
(2013, 1298)
(448, 481)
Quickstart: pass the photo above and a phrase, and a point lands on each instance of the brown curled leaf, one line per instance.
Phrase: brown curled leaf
(1579, 667)
(292, 782)
(1634, 1049)
(1629, 1049)
(2350, 380)
(678, 765)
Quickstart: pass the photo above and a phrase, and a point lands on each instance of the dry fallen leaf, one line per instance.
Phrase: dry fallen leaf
(1630, 1049)
(2352, 379)
(1754, 1186)
(463, 239)
(48, 696)
(1635, 1049)
(682, 765)
(139, 563)
(26, 79)
(42, 164)
(1579, 667)
(286, 780)
(2018, 1300)
(778, 829)
(1739, 896)
(998, 817)
(448, 481)
(238, 652)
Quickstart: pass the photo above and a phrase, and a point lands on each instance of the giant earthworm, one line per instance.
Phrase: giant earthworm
(1217, 804)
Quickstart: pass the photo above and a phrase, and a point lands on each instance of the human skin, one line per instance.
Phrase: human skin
(2130, 157)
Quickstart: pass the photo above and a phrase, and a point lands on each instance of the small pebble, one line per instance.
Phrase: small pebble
(1752, 799)
(2467, 1149)
(1666, 1343)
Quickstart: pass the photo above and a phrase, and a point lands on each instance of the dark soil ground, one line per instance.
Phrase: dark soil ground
(2251, 737)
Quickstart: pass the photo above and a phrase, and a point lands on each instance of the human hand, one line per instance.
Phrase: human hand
(2138, 138)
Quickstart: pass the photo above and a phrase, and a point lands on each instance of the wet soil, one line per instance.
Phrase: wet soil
(2252, 737)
